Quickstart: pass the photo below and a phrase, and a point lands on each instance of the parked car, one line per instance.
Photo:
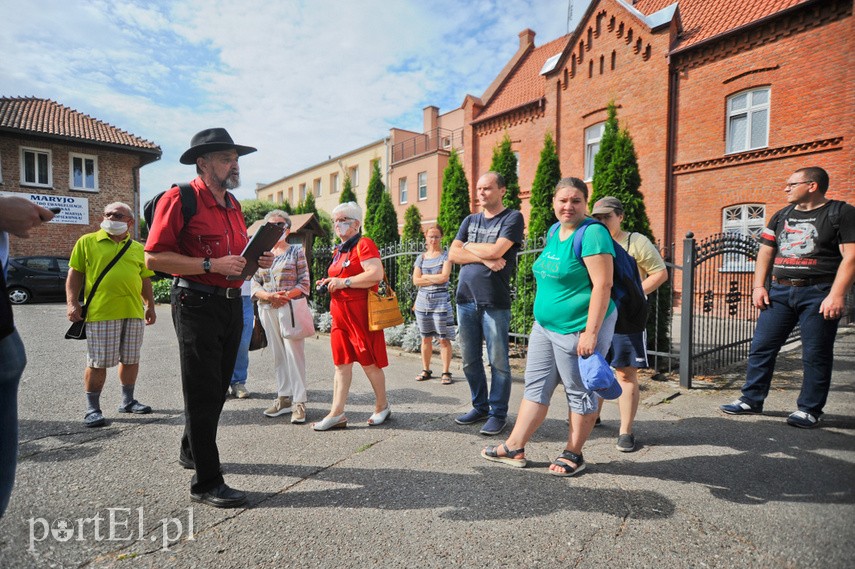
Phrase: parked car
(36, 278)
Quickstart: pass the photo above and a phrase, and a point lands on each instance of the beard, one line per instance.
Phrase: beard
(232, 182)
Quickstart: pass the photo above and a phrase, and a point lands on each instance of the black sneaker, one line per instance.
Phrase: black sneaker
(740, 407)
(626, 443)
(470, 418)
(220, 497)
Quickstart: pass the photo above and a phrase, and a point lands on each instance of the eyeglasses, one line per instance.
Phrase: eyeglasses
(792, 185)
(281, 224)
(116, 215)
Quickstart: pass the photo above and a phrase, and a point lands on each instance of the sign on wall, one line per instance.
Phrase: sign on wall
(75, 211)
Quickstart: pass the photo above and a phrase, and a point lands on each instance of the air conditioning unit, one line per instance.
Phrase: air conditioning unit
(446, 142)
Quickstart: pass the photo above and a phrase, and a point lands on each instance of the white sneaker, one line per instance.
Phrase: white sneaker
(281, 405)
(239, 390)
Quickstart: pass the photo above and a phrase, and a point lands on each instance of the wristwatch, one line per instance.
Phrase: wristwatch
(347, 283)
(206, 264)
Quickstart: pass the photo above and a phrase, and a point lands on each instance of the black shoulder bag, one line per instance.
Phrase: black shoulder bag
(77, 330)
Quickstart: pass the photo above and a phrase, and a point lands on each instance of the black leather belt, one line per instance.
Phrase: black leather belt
(209, 289)
(804, 282)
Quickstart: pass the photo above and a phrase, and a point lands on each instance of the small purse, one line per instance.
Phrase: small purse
(77, 330)
(383, 309)
(295, 320)
(258, 339)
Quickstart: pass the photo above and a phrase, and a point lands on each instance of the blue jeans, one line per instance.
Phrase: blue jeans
(791, 305)
(242, 361)
(12, 363)
(476, 324)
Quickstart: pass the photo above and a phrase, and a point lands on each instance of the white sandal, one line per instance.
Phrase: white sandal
(379, 418)
(327, 423)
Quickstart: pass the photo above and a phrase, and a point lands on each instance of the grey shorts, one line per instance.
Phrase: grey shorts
(112, 341)
(552, 360)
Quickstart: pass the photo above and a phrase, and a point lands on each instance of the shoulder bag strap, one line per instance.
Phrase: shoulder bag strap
(101, 277)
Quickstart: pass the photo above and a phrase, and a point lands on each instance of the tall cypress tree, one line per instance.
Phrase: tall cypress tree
(454, 201)
(376, 189)
(542, 216)
(505, 163)
(309, 205)
(385, 222)
(347, 194)
(616, 174)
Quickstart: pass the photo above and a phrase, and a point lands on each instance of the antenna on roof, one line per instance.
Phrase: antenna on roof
(569, 15)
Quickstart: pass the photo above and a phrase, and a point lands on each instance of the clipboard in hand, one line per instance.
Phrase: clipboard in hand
(264, 239)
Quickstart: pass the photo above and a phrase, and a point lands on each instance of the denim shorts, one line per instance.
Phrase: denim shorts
(552, 360)
(629, 350)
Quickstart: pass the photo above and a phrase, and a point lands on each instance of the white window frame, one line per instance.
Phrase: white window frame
(748, 219)
(317, 187)
(36, 151)
(334, 183)
(302, 193)
(748, 113)
(423, 189)
(354, 176)
(72, 156)
(593, 137)
(402, 190)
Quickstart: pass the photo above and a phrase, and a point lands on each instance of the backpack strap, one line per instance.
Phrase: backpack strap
(553, 229)
(188, 200)
(579, 235)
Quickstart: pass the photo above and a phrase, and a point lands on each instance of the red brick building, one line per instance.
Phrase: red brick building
(55, 155)
(722, 103)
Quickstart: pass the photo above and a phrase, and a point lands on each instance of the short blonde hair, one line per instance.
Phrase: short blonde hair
(279, 213)
(350, 209)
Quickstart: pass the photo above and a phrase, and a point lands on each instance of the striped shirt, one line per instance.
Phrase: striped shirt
(289, 271)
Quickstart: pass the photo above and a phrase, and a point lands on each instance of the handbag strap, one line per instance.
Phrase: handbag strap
(101, 277)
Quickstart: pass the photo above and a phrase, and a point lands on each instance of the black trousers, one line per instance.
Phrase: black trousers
(208, 329)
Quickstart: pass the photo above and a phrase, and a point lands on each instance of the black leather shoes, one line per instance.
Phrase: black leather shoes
(221, 497)
(186, 463)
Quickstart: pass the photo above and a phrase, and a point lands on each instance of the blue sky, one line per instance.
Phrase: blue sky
(299, 80)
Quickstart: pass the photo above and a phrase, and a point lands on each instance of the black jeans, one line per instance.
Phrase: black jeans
(208, 329)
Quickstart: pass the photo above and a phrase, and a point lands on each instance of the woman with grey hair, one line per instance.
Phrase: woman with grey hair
(355, 268)
(282, 290)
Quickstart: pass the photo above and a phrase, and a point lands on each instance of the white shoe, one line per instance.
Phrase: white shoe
(337, 422)
(380, 417)
(298, 415)
(281, 405)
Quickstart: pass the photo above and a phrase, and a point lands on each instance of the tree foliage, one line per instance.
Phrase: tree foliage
(505, 163)
(412, 232)
(376, 189)
(542, 216)
(347, 193)
(454, 201)
(308, 205)
(253, 210)
(412, 238)
(385, 222)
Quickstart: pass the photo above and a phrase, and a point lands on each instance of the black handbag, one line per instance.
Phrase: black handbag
(77, 330)
(258, 339)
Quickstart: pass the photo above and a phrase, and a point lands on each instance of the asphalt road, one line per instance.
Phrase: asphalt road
(703, 490)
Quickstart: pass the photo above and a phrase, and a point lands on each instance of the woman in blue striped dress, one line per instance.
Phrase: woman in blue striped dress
(434, 316)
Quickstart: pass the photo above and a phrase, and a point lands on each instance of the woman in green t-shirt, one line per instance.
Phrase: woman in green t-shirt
(574, 316)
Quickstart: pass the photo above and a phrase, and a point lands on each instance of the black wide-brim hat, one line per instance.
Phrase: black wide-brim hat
(212, 140)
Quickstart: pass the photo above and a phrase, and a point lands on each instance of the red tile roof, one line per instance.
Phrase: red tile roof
(49, 118)
(525, 83)
(705, 19)
(701, 20)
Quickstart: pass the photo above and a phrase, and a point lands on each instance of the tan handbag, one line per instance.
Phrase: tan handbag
(383, 309)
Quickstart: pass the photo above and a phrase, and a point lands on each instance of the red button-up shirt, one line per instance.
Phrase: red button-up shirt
(215, 231)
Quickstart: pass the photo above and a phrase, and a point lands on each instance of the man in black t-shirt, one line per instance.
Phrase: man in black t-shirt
(809, 247)
(486, 246)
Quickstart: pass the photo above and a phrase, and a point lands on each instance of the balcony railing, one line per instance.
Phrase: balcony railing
(435, 140)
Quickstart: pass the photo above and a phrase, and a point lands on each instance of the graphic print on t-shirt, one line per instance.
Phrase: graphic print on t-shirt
(797, 239)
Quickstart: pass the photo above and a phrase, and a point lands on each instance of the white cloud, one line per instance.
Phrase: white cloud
(300, 80)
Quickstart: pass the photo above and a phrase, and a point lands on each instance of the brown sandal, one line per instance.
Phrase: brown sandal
(446, 379)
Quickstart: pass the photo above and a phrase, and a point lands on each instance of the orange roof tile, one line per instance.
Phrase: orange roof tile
(49, 118)
(705, 19)
(525, 83)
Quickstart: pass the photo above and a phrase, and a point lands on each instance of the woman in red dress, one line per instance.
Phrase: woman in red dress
(355, 268)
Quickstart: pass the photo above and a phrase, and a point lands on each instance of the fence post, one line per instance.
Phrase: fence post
(687, 311)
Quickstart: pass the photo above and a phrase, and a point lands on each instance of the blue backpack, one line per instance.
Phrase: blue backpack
(627, 292)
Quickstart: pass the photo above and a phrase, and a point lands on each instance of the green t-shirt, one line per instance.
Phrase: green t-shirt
(120, 293)
(563, 286)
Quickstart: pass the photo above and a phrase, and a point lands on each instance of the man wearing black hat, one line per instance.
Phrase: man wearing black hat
(206, 306)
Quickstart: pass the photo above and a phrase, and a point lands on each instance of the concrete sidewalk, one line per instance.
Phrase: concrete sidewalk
(703, 490)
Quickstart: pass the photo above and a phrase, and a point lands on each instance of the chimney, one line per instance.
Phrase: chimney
(526, 38)
(431, 119)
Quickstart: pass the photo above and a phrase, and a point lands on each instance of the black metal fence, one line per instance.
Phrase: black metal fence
(701, 330)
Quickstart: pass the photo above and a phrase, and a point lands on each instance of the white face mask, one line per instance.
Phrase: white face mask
(343, 226)
(114, 227)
